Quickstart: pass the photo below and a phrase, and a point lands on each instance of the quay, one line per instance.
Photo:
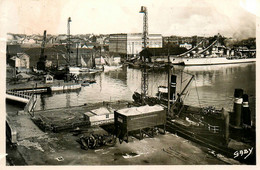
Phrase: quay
(49, 147)
(40, 87)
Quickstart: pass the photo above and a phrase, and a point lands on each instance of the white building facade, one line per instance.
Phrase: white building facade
(132, 44)
(135, 42)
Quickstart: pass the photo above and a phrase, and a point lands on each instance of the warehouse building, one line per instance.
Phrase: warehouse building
(132, 44)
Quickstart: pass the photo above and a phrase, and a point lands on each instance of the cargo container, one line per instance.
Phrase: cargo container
(139, 119)
(99, 116)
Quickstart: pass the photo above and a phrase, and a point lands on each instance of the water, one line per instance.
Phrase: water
(214, 86)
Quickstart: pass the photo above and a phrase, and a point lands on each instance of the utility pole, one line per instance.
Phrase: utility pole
(77, 57)
(144, 81)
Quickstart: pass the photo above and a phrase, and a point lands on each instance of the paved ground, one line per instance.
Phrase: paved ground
(38, 148)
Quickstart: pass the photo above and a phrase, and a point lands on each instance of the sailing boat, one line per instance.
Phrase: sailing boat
(76, 69)
(83, 65)
(111, 64)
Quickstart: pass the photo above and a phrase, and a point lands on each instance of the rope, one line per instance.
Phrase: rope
(187, 94)
(197, 93)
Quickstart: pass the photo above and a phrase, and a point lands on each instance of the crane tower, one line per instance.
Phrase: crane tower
(68, 34)
(42, 59)
(145, 26)
(144, 81)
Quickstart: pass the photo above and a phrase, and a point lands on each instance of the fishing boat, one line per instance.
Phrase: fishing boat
(89, 67)
(77, 69)
(111, 63)
(216, 128)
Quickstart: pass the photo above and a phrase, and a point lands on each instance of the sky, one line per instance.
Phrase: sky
(232, 18)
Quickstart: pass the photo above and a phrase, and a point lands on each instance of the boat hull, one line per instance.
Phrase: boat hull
(111, 68)
(74, 69)
(213, 61)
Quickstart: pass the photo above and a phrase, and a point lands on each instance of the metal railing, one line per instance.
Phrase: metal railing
(29, 108)
(21, 94)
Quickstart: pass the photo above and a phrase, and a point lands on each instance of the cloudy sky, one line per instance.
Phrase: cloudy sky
(169, 17)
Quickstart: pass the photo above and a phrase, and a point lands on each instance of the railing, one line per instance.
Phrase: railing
(21, 94)
(29, 108)
(214, 129)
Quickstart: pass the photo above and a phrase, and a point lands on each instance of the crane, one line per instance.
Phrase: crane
(42, 59)
(144, 81)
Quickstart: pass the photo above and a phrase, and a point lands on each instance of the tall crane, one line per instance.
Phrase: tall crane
(68, 34)
(42, 59)
(144, 81)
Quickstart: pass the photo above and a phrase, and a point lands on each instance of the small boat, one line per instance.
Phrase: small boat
(74, 69)
(90, 81)
(111, 68)
(85, 83)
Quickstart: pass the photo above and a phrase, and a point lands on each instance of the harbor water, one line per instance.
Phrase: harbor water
(213, 86)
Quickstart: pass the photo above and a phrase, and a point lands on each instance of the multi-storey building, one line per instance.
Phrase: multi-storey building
(132, 44)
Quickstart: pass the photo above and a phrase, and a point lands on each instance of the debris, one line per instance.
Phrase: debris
(95, 140)
(97, 150)
(130, 155)
(60, 159)
(28, 144)
(105, 153)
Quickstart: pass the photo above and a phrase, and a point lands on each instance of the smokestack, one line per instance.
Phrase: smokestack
(246, 114)
(173, 87)
(235, 117)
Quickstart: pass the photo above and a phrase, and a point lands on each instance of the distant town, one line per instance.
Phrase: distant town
(122, 45)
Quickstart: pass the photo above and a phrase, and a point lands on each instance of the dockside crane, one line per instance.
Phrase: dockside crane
(68, 34)
(144, 81)
(42, 59)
